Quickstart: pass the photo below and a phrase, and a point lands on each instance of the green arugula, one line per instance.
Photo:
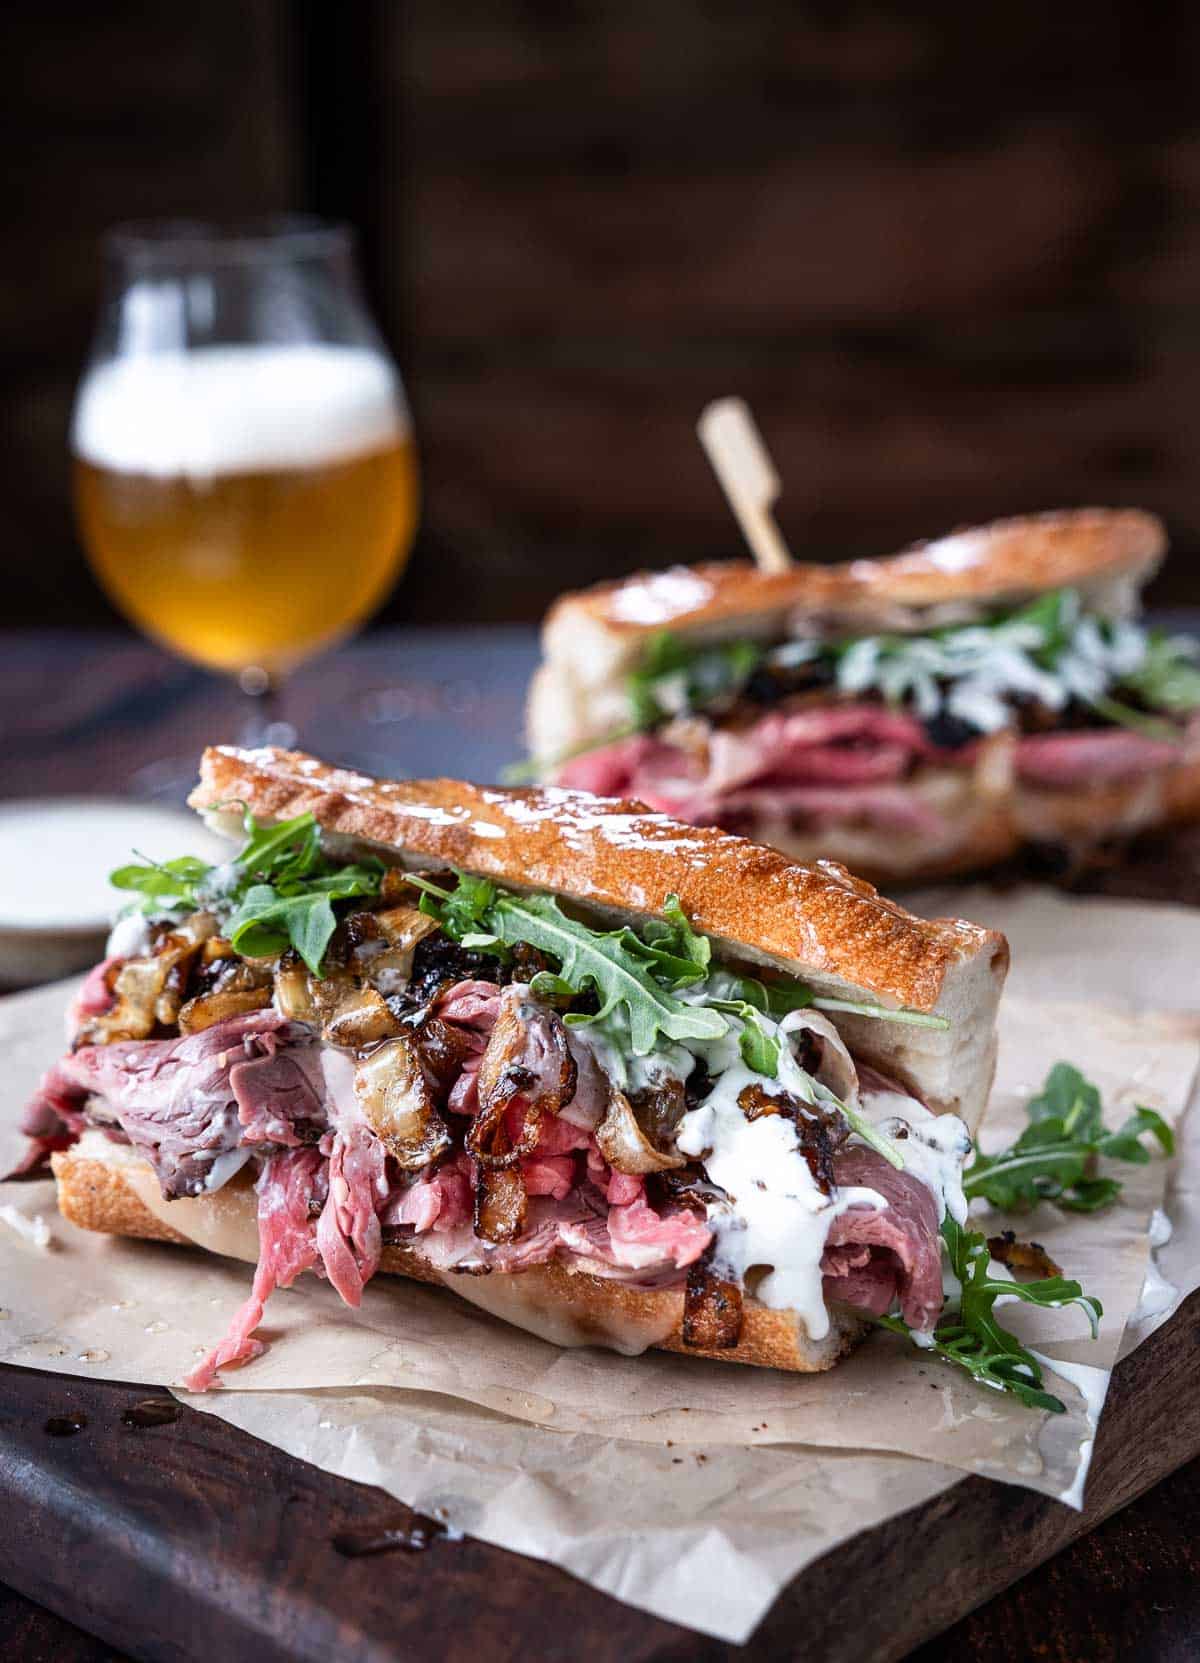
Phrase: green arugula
(882, 1013)
(1168, 678)
(759, 1049)
(1137, 721)
(775, 999)
(1055, 1156)
(667, 956)
(165, 886)
(277, 892)
(633, 979)
(674, 677)
(1053, 615)
(969, 1336)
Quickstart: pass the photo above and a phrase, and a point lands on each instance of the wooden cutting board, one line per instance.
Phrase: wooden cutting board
(192, 1542)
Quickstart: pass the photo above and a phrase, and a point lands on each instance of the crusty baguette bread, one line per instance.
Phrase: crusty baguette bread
(591, 640)
(614, 860)
(95, 1192)
(620, 861)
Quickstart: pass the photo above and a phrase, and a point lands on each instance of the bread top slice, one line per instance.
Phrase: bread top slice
(592, 640)
(617, 861)
(983, 566)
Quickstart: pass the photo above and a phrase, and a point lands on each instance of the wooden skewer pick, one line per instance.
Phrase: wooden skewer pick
(741, 463)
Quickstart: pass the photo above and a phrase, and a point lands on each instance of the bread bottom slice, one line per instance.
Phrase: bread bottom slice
(566, 1306)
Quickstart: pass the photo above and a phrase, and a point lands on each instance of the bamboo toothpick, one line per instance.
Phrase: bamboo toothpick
(741, 463)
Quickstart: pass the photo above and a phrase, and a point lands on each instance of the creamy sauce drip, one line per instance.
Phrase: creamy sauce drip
(776, 1217)
(933, 1146)
(130, 937)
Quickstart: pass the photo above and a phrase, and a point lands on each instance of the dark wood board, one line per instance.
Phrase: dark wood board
(192, 1541)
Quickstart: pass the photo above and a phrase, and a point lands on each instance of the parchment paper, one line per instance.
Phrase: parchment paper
(1137, 954)
(673, 1484)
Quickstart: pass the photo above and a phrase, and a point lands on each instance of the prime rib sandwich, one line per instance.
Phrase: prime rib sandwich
(911, 716)
(618, 1080)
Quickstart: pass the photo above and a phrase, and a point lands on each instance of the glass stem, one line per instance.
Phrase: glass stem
(265, 721)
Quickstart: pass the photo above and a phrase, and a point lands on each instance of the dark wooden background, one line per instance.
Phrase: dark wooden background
(950, 253)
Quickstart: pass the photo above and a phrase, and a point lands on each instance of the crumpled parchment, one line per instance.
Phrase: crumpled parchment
(646, 1475)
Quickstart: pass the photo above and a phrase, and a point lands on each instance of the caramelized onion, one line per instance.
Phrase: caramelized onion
(397, 1104)
(394, 886)
(1026, 1258)
(150, 991)
(359, 1018)
(386, 960)
(500, 1202)
(295, 991)
(443, 1049)
(623, 1142)
(207, 1009)
(527, 1060)
(345, 1012)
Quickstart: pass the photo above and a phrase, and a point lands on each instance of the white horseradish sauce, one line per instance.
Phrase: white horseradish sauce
(933, 1147)
(777, 1216)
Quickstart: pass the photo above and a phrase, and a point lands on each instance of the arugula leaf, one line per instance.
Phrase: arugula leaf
(674, 937)
(775, 999)
(633, 979)
(674, 677)
(282, 853)
(1168, 677)
(267, 923)
(759, 1049)
(269, 919)
(883, 1013)
(1125, 1144)
(968, 1334)
(277, 892)
(1052, 615)
(1137, 721)
(464, 909)
(1055, 1156)
(166, 886)
(1067, 1097)
(607, 963)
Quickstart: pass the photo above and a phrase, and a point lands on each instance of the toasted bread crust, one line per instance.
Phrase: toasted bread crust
(95, 1195)
(1024, 555)
(990, 563)
(618, 855)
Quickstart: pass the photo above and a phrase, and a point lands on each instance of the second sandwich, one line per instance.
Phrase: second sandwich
(914, 716)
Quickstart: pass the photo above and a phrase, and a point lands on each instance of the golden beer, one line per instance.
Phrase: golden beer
(246, 505)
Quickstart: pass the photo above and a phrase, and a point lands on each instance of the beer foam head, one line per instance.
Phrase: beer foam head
(237, 409)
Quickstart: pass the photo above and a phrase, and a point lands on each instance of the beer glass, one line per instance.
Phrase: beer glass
(244, 472)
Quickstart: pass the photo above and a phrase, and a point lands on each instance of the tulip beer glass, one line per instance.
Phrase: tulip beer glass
(244, 471)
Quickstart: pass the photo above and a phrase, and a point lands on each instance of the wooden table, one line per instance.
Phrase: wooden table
(92, 715)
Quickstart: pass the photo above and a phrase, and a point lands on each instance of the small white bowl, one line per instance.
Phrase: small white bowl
(56, 905)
